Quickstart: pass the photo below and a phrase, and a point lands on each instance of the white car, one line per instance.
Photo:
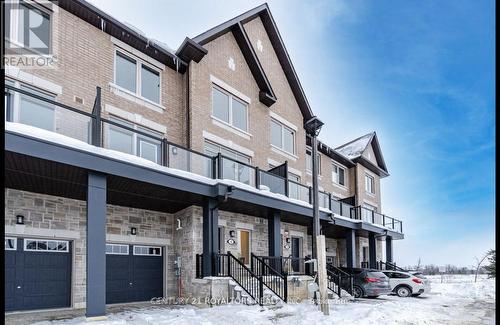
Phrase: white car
(406, 284)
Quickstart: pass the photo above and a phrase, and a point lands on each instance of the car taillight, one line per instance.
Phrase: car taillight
(417, 280)
(372, 280)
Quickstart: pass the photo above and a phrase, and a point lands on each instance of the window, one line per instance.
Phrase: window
(282, 137)
(133, 143)
(10, 244)
(35, 112)
(338, 175)
(293, 177)
(229, 109)
(46, 245)
(147, 250)
(369, 184)
(309, 161)
(137, 77)
(232, 169)
(116, 249)
(18, 32)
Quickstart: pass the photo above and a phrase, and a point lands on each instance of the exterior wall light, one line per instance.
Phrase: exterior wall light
(20, 219)
(231, 233)
(133, 231)
(287, 239)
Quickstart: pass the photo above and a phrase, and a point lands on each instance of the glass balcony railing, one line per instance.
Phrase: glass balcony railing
(26, 106)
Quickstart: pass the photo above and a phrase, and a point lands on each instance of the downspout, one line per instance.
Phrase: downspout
(188, 107)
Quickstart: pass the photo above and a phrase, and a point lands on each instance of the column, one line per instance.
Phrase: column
(210, 236)
(96, 245)
(274, 232)
(350, 237)
(388, 249)
(372, 248)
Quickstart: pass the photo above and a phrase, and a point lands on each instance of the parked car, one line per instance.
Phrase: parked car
(406, 284)
(368, 282)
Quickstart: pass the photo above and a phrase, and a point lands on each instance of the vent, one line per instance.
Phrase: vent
(79, 100)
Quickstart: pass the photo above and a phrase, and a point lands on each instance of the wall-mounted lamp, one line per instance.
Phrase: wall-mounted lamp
(326, 249)
(174, 150)
(231, 233)
(20, 219)
(133, 231)
(287, 239)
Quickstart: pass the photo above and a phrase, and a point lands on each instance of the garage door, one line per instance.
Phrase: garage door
(133, 273)
(37, 273)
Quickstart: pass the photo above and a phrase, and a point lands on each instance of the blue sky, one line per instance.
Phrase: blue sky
(420, 73)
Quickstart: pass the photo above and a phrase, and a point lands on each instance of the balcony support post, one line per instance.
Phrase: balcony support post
(350, 237)
(388, 249)
(372, 247)
(210, 237)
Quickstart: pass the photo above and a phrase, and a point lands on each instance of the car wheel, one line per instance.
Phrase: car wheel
(403, 291)
(357, 291)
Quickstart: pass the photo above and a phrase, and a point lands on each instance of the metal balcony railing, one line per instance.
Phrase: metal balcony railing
(87, 125)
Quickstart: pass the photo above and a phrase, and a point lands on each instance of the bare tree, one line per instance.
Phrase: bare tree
(419, 261)
(478, 264)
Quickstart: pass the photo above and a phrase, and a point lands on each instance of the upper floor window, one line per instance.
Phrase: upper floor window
(133, 143)
(213, 149)
(137, 77)
(369, 184)
(309, 161)
(338, 174)
(293, 177)
(229, 109)
(282, 137)
(231, 168)
(27, 27)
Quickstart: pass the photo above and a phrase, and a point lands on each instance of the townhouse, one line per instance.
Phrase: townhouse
(136, 171)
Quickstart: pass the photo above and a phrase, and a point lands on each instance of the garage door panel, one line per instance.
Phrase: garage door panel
(37, 279)
(132, 277)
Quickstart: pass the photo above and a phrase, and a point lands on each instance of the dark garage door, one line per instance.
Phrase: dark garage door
(133, 273)
(37, 274)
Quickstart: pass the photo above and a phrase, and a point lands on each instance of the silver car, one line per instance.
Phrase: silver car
(406, 284)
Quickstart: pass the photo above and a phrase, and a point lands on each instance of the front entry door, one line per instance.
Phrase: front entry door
(295, 254)
(244, 238)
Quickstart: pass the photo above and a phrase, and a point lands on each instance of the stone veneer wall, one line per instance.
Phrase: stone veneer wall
(51, 216)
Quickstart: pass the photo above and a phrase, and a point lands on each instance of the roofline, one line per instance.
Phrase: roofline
(348, 143)
(368, 164)
(278, 45)
(174, 63)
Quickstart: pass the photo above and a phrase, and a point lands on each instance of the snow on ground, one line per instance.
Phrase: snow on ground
(457, 300)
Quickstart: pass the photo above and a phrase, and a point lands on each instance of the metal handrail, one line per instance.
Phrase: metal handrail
(258, 264)
(387, 221)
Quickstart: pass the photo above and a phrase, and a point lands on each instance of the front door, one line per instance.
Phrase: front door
(244, 239)
(295, 254)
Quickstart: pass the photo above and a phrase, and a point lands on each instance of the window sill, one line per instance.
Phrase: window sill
(284, 153)
(230, 128)
(343, 187)
(127, 94)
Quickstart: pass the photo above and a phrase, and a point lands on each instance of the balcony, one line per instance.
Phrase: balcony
(129, 142)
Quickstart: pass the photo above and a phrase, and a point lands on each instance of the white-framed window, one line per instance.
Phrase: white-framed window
(229, 109)
(338, 174)
(309, 161)
(116, 249)
(130, 142)
(369, 184)
(147, 250)
(232, 169)
(282, 137)
(137, 77)
(46, 245)
(10, 243)
(22, 15)
(293, 177)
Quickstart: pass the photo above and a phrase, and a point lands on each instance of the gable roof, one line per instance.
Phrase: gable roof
(235, 26)
(353, 150)
(124, 32)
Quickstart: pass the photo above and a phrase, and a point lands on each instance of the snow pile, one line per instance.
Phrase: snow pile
(460, 301)
(355, 149)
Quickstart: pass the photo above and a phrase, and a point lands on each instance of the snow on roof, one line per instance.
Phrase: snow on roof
(355, 148)
(162, 45)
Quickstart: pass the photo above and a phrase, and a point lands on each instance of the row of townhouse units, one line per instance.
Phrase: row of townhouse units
(136, 171)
